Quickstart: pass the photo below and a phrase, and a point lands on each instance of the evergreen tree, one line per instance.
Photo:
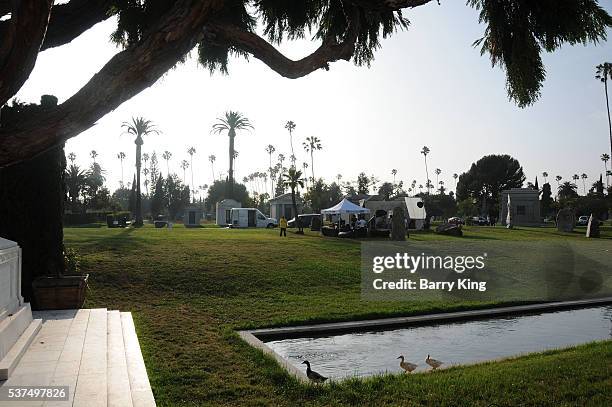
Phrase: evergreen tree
(546, 201)
(132, 201)
(159, 198)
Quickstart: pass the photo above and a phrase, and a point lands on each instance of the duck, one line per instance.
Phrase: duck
(312, 375)
(433, 363)
(407, 366)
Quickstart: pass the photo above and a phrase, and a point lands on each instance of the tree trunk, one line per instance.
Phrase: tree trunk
(138, 214)
(298, 222)
(312, 166)
(427, 174)
(609, 120)
(31, 207)
(230, 181)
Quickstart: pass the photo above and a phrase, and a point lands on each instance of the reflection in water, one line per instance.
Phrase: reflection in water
(369, 353)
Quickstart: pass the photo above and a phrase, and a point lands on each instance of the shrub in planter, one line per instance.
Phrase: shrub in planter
(62, 291)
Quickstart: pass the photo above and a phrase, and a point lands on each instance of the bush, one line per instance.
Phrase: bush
(72, 261)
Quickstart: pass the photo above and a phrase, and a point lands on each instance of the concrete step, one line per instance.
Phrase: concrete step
(118, 381)
(14, 355)
(142, 395)
(91, 387)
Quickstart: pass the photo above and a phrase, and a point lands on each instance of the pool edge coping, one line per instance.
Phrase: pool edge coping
(250, 336)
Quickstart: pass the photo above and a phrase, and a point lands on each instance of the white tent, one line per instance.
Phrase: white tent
(344, 206)
(416, 208)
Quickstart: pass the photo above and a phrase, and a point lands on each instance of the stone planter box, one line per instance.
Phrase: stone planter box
(67, 292)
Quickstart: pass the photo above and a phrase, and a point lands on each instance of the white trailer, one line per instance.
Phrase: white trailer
(250, 218)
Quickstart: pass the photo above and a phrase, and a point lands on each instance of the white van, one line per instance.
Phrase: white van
(250, 218)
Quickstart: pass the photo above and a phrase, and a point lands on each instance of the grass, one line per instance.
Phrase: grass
(190, 289)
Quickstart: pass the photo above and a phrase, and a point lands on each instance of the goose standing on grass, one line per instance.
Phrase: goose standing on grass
(312, 375)
(407, 366)
(433, 363)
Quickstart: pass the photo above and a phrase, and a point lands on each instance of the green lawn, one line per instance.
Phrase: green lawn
(190, 289)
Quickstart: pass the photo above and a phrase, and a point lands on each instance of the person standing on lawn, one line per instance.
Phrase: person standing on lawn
(282, 223)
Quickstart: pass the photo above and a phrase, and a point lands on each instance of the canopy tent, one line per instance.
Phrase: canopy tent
(416, 208)
(344, 206)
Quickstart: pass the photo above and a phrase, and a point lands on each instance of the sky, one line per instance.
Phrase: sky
(427, 86)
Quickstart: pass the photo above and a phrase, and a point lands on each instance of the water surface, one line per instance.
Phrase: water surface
(455, 343)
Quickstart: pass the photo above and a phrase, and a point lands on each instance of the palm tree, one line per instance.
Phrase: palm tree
(191, 151)
(270, 150)
(558, 178)
(584, 177)
(545, 175)
(293, 180)
(567, 190)
(212, 159)
(311, 145)
(72, 157)
(290, 125)
(455, 176)
(139, 127)
(305, 166)
(232, 122)
(121, 157)
(184, 166)
(339, 177)
(93, 154)
(145, 172)
(167, 155)
(426, 151)
(605, 158)
(438, 172)
(603, 73)
(281, 158)
(394, 173)
(75, 182)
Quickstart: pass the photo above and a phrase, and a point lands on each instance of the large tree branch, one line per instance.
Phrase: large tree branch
(389, 5)
(23, 35)
(125, 75)
(329, 51)
(70, 20)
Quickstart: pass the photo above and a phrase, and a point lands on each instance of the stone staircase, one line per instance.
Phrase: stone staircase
(93, 351)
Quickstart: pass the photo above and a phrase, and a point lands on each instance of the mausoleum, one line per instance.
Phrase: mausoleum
(525, 207)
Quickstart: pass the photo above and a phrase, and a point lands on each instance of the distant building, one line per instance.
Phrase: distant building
(282, 205)
(224, 209)
(525, 207)
(192, 216)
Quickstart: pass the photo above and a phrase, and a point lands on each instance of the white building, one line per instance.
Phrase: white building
(224, 209)
(282, 205)
(525, 207)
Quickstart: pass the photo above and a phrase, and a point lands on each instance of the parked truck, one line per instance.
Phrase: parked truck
(250, 218)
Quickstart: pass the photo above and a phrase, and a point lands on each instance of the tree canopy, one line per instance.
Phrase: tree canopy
(488, 177)
(157, 34)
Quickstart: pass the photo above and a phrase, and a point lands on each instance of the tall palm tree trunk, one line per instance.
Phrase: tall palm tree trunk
(192, 186)
(312, 166)
(298, 221)
(609, 120)
(139, 221)
(230, 184)
(271, 178)
(427, 174)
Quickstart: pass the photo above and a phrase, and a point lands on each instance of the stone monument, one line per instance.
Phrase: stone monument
(398, 225)
(449, 229)
(509, 224)
(17, 328)
(593, 227)
(566, 219)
